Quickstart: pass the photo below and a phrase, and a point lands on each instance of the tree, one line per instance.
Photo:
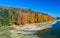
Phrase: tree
(4, 17)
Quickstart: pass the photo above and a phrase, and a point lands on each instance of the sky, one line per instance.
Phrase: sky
(51, 7)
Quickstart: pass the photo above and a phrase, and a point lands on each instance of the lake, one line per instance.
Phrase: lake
(53, 33)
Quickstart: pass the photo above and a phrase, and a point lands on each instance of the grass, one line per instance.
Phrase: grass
(5, 33)
(19, 36)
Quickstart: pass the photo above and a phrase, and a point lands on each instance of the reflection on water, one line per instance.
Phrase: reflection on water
(53, 33)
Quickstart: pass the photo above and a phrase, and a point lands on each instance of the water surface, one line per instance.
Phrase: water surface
(53, 33)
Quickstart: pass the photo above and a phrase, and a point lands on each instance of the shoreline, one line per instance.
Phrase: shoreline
(35, 26)
(32, 30)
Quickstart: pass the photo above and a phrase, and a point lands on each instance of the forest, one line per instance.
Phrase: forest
(18, 16)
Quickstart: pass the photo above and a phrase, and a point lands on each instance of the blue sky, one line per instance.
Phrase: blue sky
(51, 7)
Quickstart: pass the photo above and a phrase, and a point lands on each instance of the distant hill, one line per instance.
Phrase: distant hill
(10, 15)
(58, 18)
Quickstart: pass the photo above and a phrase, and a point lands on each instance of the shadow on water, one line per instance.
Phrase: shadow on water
(54, 32)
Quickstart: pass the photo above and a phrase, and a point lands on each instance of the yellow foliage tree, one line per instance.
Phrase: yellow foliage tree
(23, 18)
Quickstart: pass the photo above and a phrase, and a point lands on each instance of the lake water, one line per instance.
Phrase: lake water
(53, 33)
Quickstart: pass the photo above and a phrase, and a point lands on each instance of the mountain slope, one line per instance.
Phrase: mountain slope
(10, 15)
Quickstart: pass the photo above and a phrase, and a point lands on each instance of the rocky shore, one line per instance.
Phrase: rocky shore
(33, 28)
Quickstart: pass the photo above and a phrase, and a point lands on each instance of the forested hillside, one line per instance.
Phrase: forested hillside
(18, 16)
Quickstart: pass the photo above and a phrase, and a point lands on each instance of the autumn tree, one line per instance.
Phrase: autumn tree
(23, 18)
